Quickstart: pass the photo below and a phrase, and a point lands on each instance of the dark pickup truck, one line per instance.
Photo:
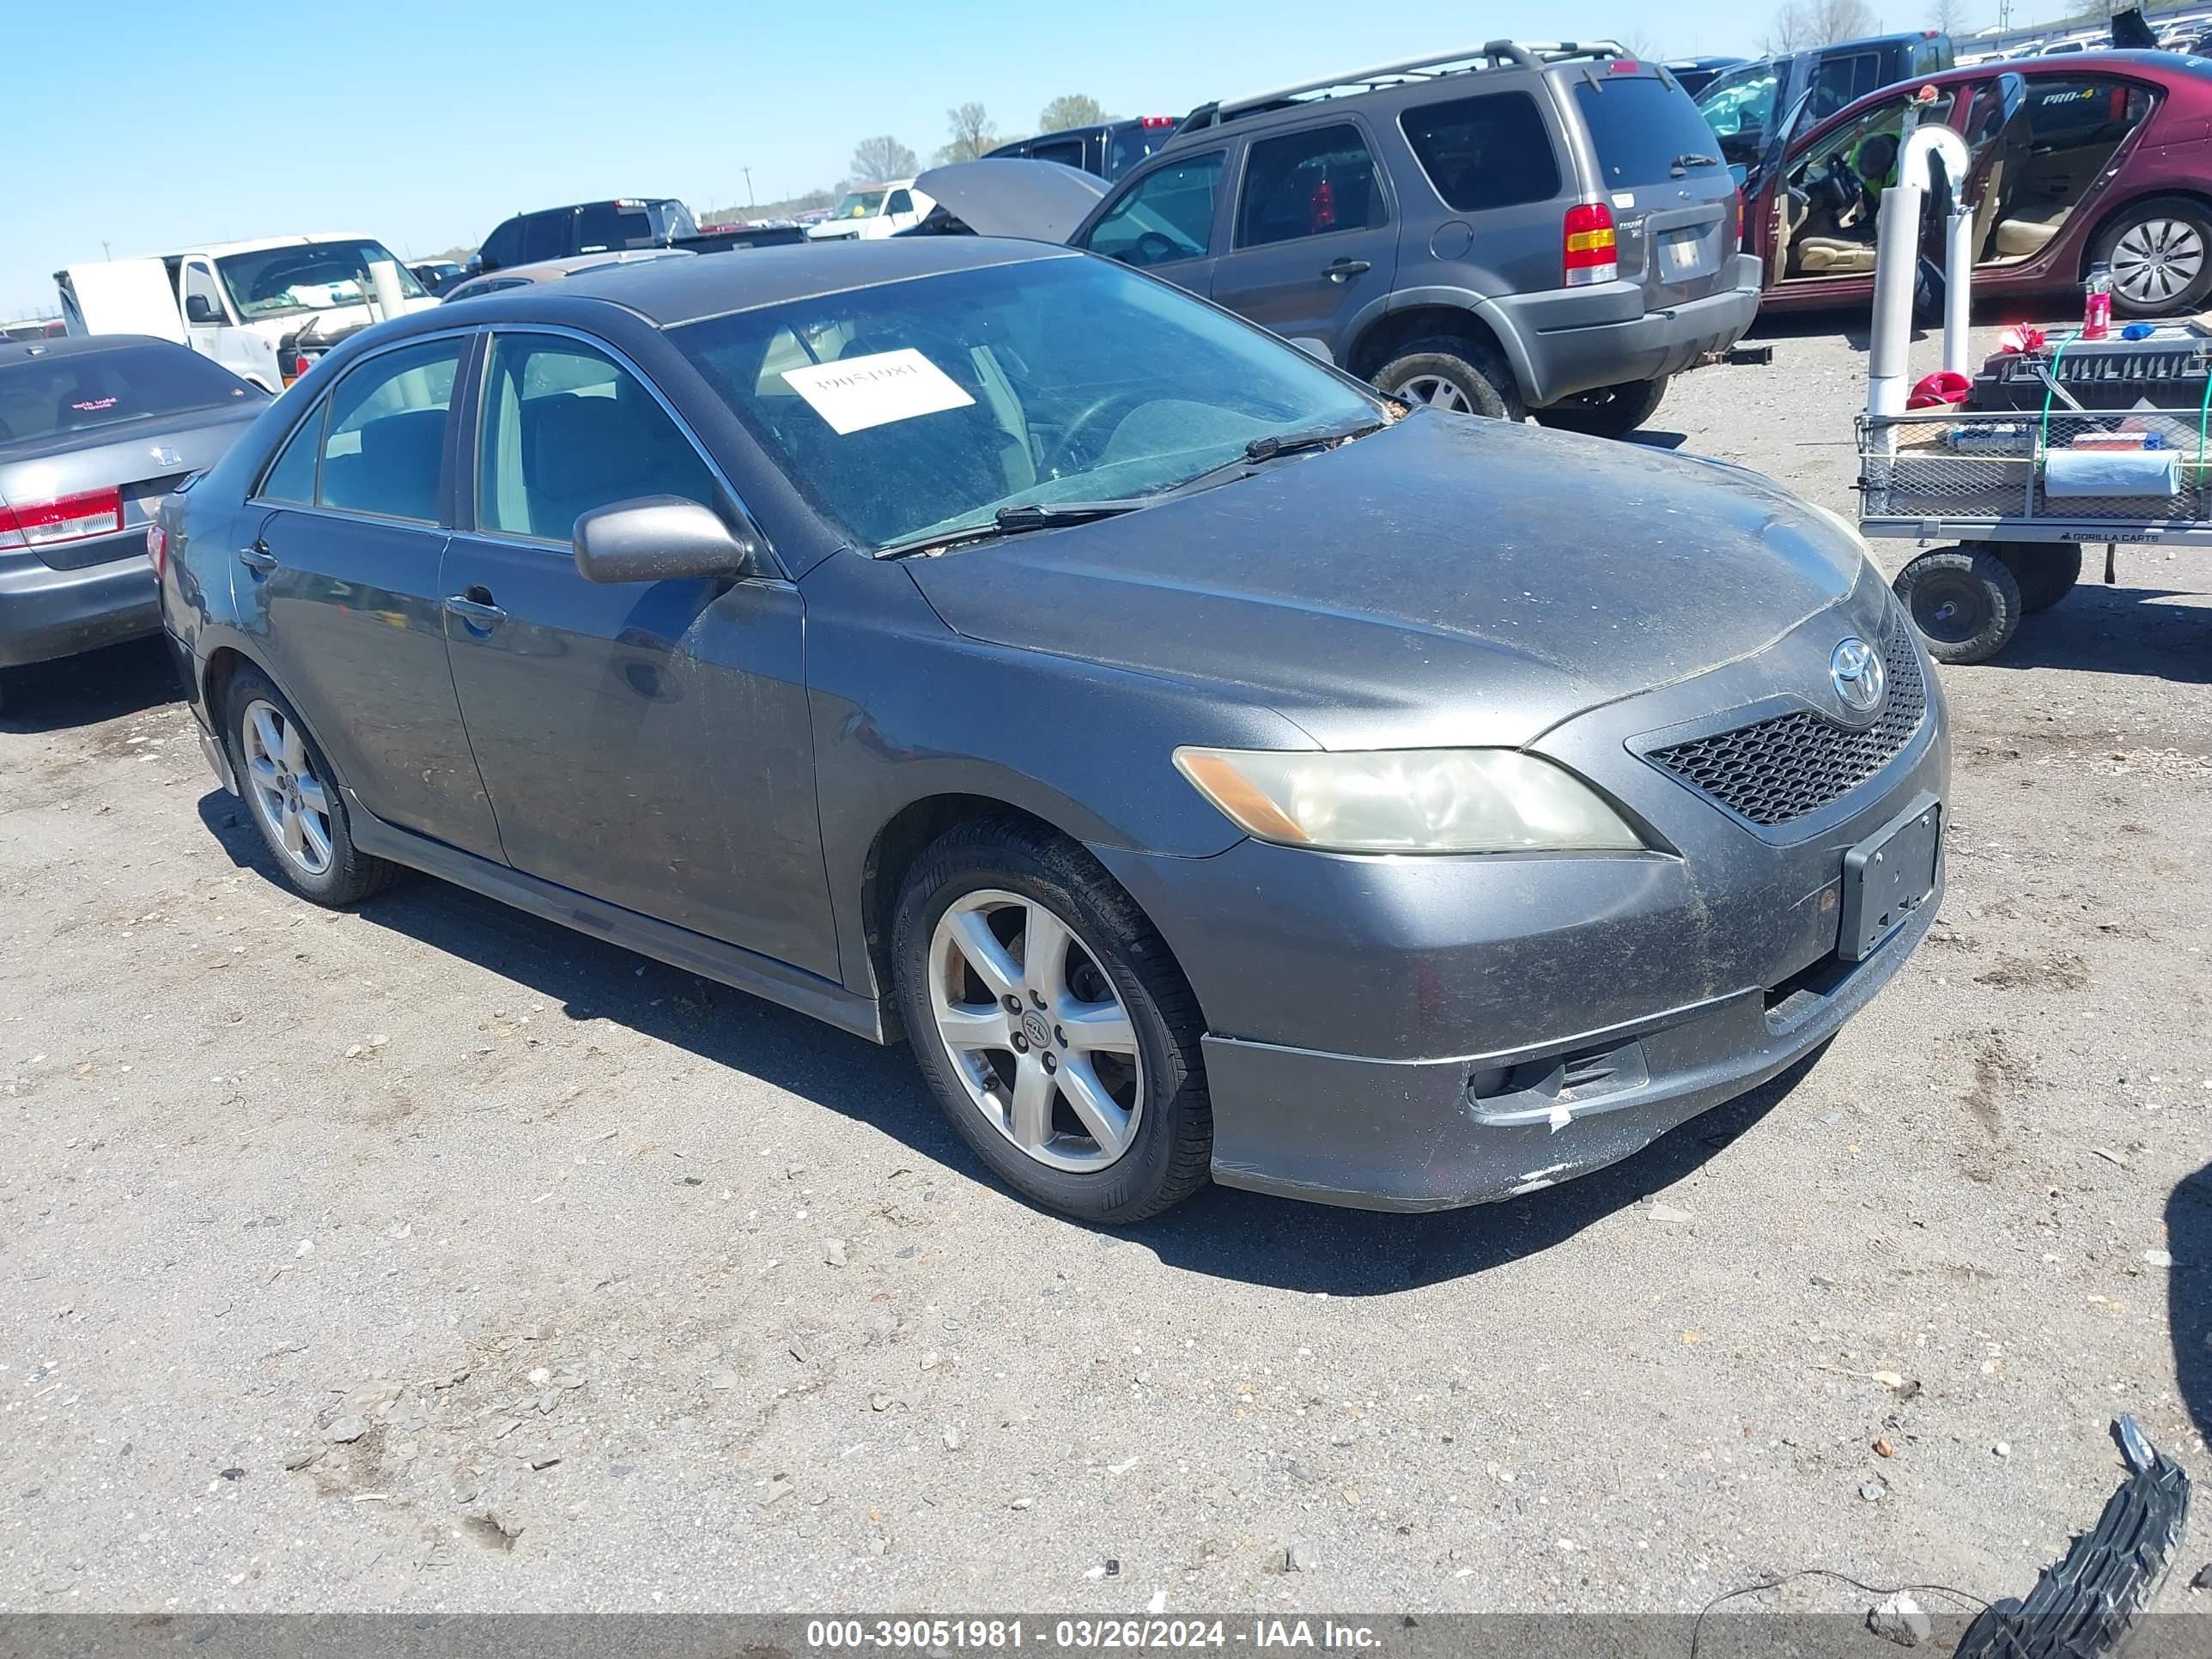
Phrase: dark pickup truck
(626, 223)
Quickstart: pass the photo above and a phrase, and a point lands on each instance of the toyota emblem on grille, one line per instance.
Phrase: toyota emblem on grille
(1856, 671)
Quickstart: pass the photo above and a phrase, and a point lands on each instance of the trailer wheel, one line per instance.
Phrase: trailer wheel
(1964, 601)
(2046, 571)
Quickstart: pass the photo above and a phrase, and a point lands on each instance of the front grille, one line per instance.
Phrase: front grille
(1774, 770)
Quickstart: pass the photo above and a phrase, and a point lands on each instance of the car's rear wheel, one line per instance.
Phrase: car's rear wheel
(1462, 376)
(2160, 253)
(1964, 600)
(294, 796)
(1049, 1019)
(2046, 571)
(1612, 412)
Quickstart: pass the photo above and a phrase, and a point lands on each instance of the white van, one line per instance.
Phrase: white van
(263, 309)
(870, 212)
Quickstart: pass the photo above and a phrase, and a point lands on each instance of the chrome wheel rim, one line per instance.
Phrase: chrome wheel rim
(1436, 392)
(2153, 261)
(1038, 1038)
(291, 800)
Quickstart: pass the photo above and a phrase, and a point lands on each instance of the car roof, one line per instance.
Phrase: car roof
(76, 345)
(667, 293)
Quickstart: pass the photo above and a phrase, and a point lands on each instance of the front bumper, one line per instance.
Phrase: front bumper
(1582, 339)
(46, 613)
(1421, 1033)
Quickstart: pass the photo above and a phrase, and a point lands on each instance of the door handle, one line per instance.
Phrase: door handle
(1343, 270)
(475, 606)
(257, 557)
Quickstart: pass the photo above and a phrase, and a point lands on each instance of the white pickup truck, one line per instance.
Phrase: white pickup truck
(263, 309)
(870, 212)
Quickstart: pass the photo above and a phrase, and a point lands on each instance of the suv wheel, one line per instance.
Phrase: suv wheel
(1051, 1025)
(2160, 253)
(1964, 600)
(294, 798)
(1459, 375)
(1612, 412)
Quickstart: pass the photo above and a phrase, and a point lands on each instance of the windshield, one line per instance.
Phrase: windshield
(860, 204)
(911, 409)
(44, 397)
(306, 276)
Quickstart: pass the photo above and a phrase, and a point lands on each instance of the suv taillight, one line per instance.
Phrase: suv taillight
(64, 519)
(157, 548)
(1591, 253)
(1738, 220)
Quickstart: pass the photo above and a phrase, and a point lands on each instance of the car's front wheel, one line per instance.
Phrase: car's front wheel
(294, 798)
(1052, 1024)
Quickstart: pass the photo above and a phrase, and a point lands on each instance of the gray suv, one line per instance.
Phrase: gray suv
(1519, 227)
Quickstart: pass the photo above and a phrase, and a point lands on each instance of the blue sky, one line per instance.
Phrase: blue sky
(426, 124)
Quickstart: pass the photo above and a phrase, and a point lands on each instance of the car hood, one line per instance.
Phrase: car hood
(1449, 580)
(1010, 196)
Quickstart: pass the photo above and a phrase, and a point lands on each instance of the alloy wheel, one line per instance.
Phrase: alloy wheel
(1437, 392)
(2156, 260)
(291, 802)
(1039, 1039)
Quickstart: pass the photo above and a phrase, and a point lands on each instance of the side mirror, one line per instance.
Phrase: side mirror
(201, 312)
(659, 539)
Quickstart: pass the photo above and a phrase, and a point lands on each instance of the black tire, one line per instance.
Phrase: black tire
(2046, 571)
(1965, 602)
(352, 875)
(1613, 411)
(2192, 236)
(1170, 1148)
(1475, 372)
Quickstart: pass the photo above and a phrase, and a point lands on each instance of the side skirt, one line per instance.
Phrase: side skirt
(744, 970)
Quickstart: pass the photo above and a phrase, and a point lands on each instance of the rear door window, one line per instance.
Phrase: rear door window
(46, 397)
(1069, 152)
(547, 235)
(1168, 215)
(604, 227)
(1841, 80)
(292, 478)
(1643, 131)
(384, 450)
(1308, 183)
(1493, 151)
(1129, 145)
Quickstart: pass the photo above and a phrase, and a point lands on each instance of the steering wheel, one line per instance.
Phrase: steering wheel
(1077, 436)
(1153, 246)
(1839, 187)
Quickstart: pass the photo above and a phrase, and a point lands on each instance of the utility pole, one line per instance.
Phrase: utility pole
(106, 253)
(748, 172)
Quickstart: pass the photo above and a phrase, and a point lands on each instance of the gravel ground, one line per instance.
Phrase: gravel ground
(435, 1257)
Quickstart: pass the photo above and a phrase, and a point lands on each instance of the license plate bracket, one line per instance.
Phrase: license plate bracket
(1888, 876)
(1681, 251)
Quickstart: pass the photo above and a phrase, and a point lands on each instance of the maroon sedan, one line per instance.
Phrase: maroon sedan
(2095, 156)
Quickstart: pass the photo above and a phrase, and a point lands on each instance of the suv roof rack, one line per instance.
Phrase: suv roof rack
(1494, 54)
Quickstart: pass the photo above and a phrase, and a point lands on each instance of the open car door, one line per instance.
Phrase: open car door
(121, 296)
(1998, 141)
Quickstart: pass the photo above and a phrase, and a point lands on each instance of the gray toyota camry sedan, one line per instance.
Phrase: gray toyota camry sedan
(1208, 765)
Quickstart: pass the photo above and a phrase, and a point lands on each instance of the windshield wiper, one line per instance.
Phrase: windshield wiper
(1013, 521)
(1684, 163)
(1289, 443)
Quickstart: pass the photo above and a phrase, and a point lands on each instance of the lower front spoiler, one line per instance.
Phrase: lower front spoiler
(1379, 1134)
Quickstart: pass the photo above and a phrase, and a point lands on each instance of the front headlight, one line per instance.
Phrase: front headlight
(1407, 801)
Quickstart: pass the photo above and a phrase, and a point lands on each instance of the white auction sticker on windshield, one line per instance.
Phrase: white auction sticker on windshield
(855, 394)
